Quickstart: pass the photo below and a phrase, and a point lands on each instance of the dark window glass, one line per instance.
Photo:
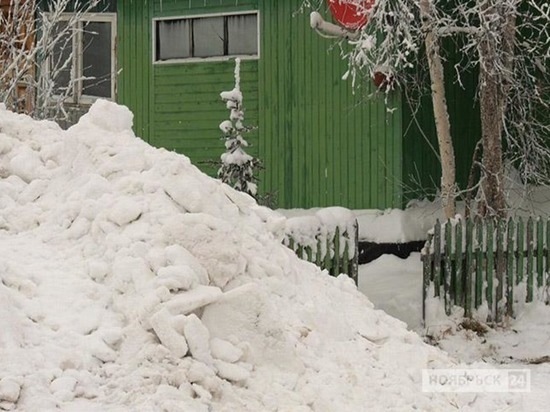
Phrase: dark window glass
(173, 39)
(242, 34)
(208, 37)
(61, 62)
(96, 59)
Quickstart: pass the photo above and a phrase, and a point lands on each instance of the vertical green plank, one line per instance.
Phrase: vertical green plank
(500, 268)
(345, 258)
(510, 270)
(459, 272)
(328, 259)
(479, 263)
(437, 258)
(540, 253)
(291, 243)
(547, 249)
(336, 243)
(469, 269)
(355, 261)
(427, 267)
(447, 267)
(490, 267)
(520, 250)
(530, 246)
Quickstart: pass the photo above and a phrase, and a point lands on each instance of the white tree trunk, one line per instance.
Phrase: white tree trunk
(442, 123)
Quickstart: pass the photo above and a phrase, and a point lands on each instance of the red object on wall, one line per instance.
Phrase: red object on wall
(381, 80)
(351, 16)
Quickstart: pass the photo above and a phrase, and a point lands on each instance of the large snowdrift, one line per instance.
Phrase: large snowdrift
(130, 281)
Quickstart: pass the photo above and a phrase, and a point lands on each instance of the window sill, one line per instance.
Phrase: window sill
(205, 59)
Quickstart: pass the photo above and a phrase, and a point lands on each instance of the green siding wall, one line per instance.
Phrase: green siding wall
(134, 62)
(420, 164)
(321, 145)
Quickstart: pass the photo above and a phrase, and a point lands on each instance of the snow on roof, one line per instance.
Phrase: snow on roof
(131, 281)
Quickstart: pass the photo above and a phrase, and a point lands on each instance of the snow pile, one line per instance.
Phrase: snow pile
(131, 281)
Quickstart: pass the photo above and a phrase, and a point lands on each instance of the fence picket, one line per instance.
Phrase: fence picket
(468, 269)
(505, 254)
(510, 269)
(521, 247)
(547, 252)
(437, 257)
(319, 253)
(336, 259)
(529, 260)
(447, 268)
(490, 267)
(345, 257)
(479, 263)
(500, 268)
(540, 252)
(459, 296)
(427, 272)
(332, 253)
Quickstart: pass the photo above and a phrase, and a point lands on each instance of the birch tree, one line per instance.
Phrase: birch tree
(36, 50)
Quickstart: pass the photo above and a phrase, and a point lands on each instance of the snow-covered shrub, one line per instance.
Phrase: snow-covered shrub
(238, 167)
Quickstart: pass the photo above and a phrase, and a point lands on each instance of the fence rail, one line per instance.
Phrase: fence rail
(335, 250)
(494, 262)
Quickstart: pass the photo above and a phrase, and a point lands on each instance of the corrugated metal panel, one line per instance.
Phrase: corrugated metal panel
(186, 103)
(184, 7)
(134, 62)
(321, 144)
(188, 109)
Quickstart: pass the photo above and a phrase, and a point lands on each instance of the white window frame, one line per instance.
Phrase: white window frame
(77, 69)
(204, 59)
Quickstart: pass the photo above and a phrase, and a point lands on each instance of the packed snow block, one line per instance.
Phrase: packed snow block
(194, 299)
(100, 350)
(33, 191)
(178, 255)
(185, 193)
(108, 116)
(225, 351)
(231, 372)
(163, 326)
(10, 390)
(198, 339)
(124, 211)
(98, 270)
(63, 387)
(27, 165)
(180, 277)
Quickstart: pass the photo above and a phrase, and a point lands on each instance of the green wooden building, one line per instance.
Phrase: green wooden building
(321, 143)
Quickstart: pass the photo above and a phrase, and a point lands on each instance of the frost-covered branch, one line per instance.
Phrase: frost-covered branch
(36, 50)
(506, 41)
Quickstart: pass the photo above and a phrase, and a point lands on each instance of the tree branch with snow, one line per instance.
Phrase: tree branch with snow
(238, 167)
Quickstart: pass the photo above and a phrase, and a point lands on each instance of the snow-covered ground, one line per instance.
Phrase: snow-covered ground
(395, 286)
(130, 281)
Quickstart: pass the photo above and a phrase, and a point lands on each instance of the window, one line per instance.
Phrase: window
(82, 63)
(215, 36)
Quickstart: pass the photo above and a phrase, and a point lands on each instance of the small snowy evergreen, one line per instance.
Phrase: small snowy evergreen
(238, 167)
